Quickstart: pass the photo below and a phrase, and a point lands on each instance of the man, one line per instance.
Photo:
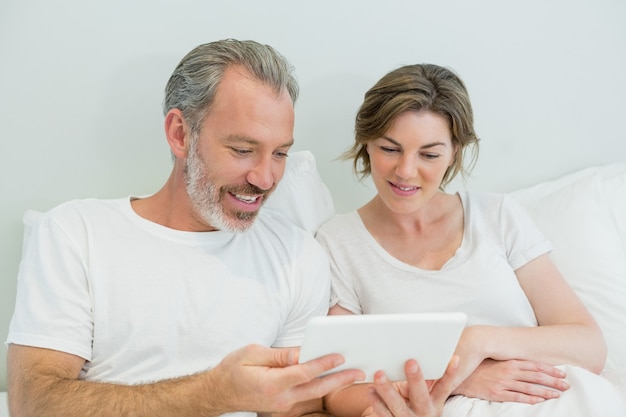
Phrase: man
(175, 304)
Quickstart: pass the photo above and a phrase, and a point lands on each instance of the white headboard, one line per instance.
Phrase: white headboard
(81, 88)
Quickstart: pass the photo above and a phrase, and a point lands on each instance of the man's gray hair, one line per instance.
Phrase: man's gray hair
(194, 82)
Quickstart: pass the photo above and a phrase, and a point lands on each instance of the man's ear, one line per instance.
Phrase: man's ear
(177, 132)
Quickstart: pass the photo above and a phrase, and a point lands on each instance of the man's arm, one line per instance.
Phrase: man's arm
(43, 383)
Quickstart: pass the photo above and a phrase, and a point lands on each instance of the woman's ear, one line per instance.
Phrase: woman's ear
(177, 133)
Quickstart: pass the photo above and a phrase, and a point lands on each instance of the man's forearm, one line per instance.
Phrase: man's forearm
(50, 396)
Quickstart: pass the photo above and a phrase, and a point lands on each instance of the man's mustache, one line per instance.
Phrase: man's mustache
(248, 189)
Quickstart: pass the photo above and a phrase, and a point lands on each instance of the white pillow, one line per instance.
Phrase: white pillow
(301, 196)
(29, 219)
(615, 186)
(583, 215)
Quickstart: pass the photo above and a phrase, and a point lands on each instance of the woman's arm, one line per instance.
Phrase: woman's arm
(567, 333)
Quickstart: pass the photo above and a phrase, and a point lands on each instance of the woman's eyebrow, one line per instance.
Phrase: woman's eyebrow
(427, 146)
(391, 140)
(432, 145)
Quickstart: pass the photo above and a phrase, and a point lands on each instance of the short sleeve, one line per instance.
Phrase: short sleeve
(522, 238)
(310, 293)
(52, 308)
(338, 241)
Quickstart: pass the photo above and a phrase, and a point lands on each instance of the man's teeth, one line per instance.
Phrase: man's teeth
(245, 198)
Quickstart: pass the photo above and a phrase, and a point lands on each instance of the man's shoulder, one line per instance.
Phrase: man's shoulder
(72, 218)
(82, 208)
(74, 214)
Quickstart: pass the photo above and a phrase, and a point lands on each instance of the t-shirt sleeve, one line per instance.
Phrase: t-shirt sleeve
(523, 239)
(336, 239)
(310, 293)
(52, 308)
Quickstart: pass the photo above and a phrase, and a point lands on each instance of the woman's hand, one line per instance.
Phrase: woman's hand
(514, 380)
(414, 398)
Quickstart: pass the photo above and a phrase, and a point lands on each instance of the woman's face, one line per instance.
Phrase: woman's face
(409, 161)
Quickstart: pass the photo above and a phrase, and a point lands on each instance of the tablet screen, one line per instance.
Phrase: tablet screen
(373, 342)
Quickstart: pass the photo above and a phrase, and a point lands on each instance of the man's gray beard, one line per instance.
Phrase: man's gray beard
(206, 197)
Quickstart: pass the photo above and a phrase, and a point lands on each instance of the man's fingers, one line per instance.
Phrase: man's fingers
(279, 358)
(315, 367)
(283, 357)
(321, 386)
(305, 377)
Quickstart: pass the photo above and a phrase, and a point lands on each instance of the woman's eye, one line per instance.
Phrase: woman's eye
(431, 155)
(388, 149)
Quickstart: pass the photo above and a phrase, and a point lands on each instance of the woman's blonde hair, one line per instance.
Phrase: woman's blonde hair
(421, 87)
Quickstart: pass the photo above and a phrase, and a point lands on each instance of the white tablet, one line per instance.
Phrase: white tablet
(372, 342)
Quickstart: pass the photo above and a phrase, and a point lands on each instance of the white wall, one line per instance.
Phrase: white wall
(81, 86)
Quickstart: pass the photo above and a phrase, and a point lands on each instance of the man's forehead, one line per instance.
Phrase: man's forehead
(238, 77)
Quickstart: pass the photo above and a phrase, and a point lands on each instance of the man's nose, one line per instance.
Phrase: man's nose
(261, 175)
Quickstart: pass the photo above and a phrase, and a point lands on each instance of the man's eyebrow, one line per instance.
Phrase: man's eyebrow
(253, 142)
(427, 146)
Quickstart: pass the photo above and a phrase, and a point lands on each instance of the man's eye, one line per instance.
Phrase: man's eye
(241, 151)
(281, 155)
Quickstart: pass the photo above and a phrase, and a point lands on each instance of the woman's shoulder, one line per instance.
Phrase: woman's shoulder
(500, 210)
(340, 221)
(341, 228)
(484, 201)
(481, 196)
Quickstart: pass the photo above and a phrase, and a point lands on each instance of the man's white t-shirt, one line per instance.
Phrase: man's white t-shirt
(142, 302)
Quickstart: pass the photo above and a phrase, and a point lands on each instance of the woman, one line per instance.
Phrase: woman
(416, 248)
